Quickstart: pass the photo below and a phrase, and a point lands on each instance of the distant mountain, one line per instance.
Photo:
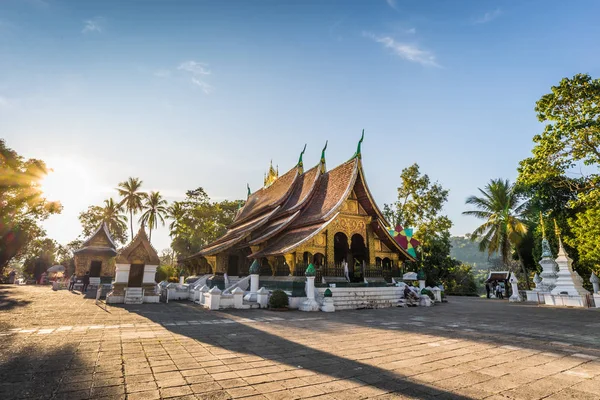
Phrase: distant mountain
(468, 252)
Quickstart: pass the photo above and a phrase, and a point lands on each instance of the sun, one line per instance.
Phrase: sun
(67, 181)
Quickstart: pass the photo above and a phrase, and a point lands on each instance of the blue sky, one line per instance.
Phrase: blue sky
(204, 93)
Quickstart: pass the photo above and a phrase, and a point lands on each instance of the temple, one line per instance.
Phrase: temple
(319, 216)
(96, 256)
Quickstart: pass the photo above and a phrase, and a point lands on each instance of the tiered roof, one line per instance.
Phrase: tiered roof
(298, 205)
(99, 242)
(140, 248)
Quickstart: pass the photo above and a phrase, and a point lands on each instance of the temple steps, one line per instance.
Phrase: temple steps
(356, 298)
(133, 296)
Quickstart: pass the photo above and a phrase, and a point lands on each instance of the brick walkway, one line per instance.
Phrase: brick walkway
(56, 345)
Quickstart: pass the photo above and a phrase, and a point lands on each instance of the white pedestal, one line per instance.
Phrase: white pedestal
(536, 296)
(565, 300)
(253, 288)
(310, 304)
(597, 300)
(327, 305)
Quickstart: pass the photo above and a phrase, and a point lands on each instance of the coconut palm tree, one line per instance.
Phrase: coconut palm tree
(175, 213)
(503, 228)
(155, 209)
(131, 197)
(112, 215)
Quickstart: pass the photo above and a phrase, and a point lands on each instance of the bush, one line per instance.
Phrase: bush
(278, 299)
(165, 272)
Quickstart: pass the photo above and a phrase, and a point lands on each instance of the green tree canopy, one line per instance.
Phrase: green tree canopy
(22, 203)
(131, 197)
(154, 210)
(198, 221)
(112, 214)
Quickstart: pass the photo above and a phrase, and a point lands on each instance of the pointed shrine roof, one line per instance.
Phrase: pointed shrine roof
(99, 242)
(139, 249)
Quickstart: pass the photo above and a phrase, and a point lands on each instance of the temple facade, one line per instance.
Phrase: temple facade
(96, 255)
(325, 217)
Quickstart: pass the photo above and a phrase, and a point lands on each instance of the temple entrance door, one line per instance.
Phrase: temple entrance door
(340, 248)
(359, 254)
(136, 275)
(232, 265)
(95, 269)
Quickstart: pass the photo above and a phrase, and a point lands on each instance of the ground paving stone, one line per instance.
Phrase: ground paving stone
(466, 349)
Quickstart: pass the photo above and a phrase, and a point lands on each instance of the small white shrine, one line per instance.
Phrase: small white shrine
(546, 281)
(596, 285)
(568, 289)
(134, 277)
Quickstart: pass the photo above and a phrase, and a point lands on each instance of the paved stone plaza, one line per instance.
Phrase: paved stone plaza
(56, 345)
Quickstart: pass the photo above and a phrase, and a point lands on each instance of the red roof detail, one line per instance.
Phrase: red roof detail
(267, 198)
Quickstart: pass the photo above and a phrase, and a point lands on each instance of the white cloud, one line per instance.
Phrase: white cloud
(196, 68)
(392, 3)
(488, 16)
(198, 72)
(406, 51)
(93, 25)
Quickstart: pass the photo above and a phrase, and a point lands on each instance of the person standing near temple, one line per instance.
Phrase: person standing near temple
(86, 281)
(487, 289)
(499, 291)
(72, 282)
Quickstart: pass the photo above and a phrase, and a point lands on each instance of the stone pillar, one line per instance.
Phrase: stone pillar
(328, 301)
(421, 284)
(310, 304)
(262, 297)
(254, 280)
(181, 280)
(202, 294)
(290, 260)
(213, 299)
(595, 283)
(437, 294)
(238, 295)
(516, 297)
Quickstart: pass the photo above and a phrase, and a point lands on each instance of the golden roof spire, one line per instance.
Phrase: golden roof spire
(271, 175)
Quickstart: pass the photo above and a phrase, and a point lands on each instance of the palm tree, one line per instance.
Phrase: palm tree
(175, 213)
(154, 210)
(503, 228)
(131, 197)
(112, 215)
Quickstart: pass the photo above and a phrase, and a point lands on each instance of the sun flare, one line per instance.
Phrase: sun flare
(67, 181)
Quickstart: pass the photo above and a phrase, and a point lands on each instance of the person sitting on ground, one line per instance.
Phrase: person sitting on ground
(86, 281)
(72, 282)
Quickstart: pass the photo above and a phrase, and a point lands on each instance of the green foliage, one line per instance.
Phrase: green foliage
(155, 209)
(112, 214)
(198, 221)
(429, 293)
(461, 280)
(278, 299)
(465, 250)
(420, 204)
(22, 204)
(561, 178)
(131, 197)
(571, 137)
(166, 273)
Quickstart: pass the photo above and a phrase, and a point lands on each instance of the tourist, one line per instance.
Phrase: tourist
(72, 282)
(487, 290)
(86, 281)
(499, 293)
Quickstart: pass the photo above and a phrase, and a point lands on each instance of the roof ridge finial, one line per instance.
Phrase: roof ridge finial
(300, 163)
(357, 154)
(248, 186)
(323, 164)
(561, 249)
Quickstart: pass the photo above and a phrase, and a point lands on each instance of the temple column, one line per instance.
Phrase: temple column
(371, 244)
(221, 263)
(212, 261)
(329, 250)
(271, 261)
(290, 260)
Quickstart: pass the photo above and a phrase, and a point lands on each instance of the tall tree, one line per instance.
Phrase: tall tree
(131, 197)
(22, 203)
(155, 209)
(419, 206)
(198, 221)
(503, 229)
(112, 214)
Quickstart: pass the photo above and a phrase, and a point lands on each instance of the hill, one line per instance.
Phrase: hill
(468, 252)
